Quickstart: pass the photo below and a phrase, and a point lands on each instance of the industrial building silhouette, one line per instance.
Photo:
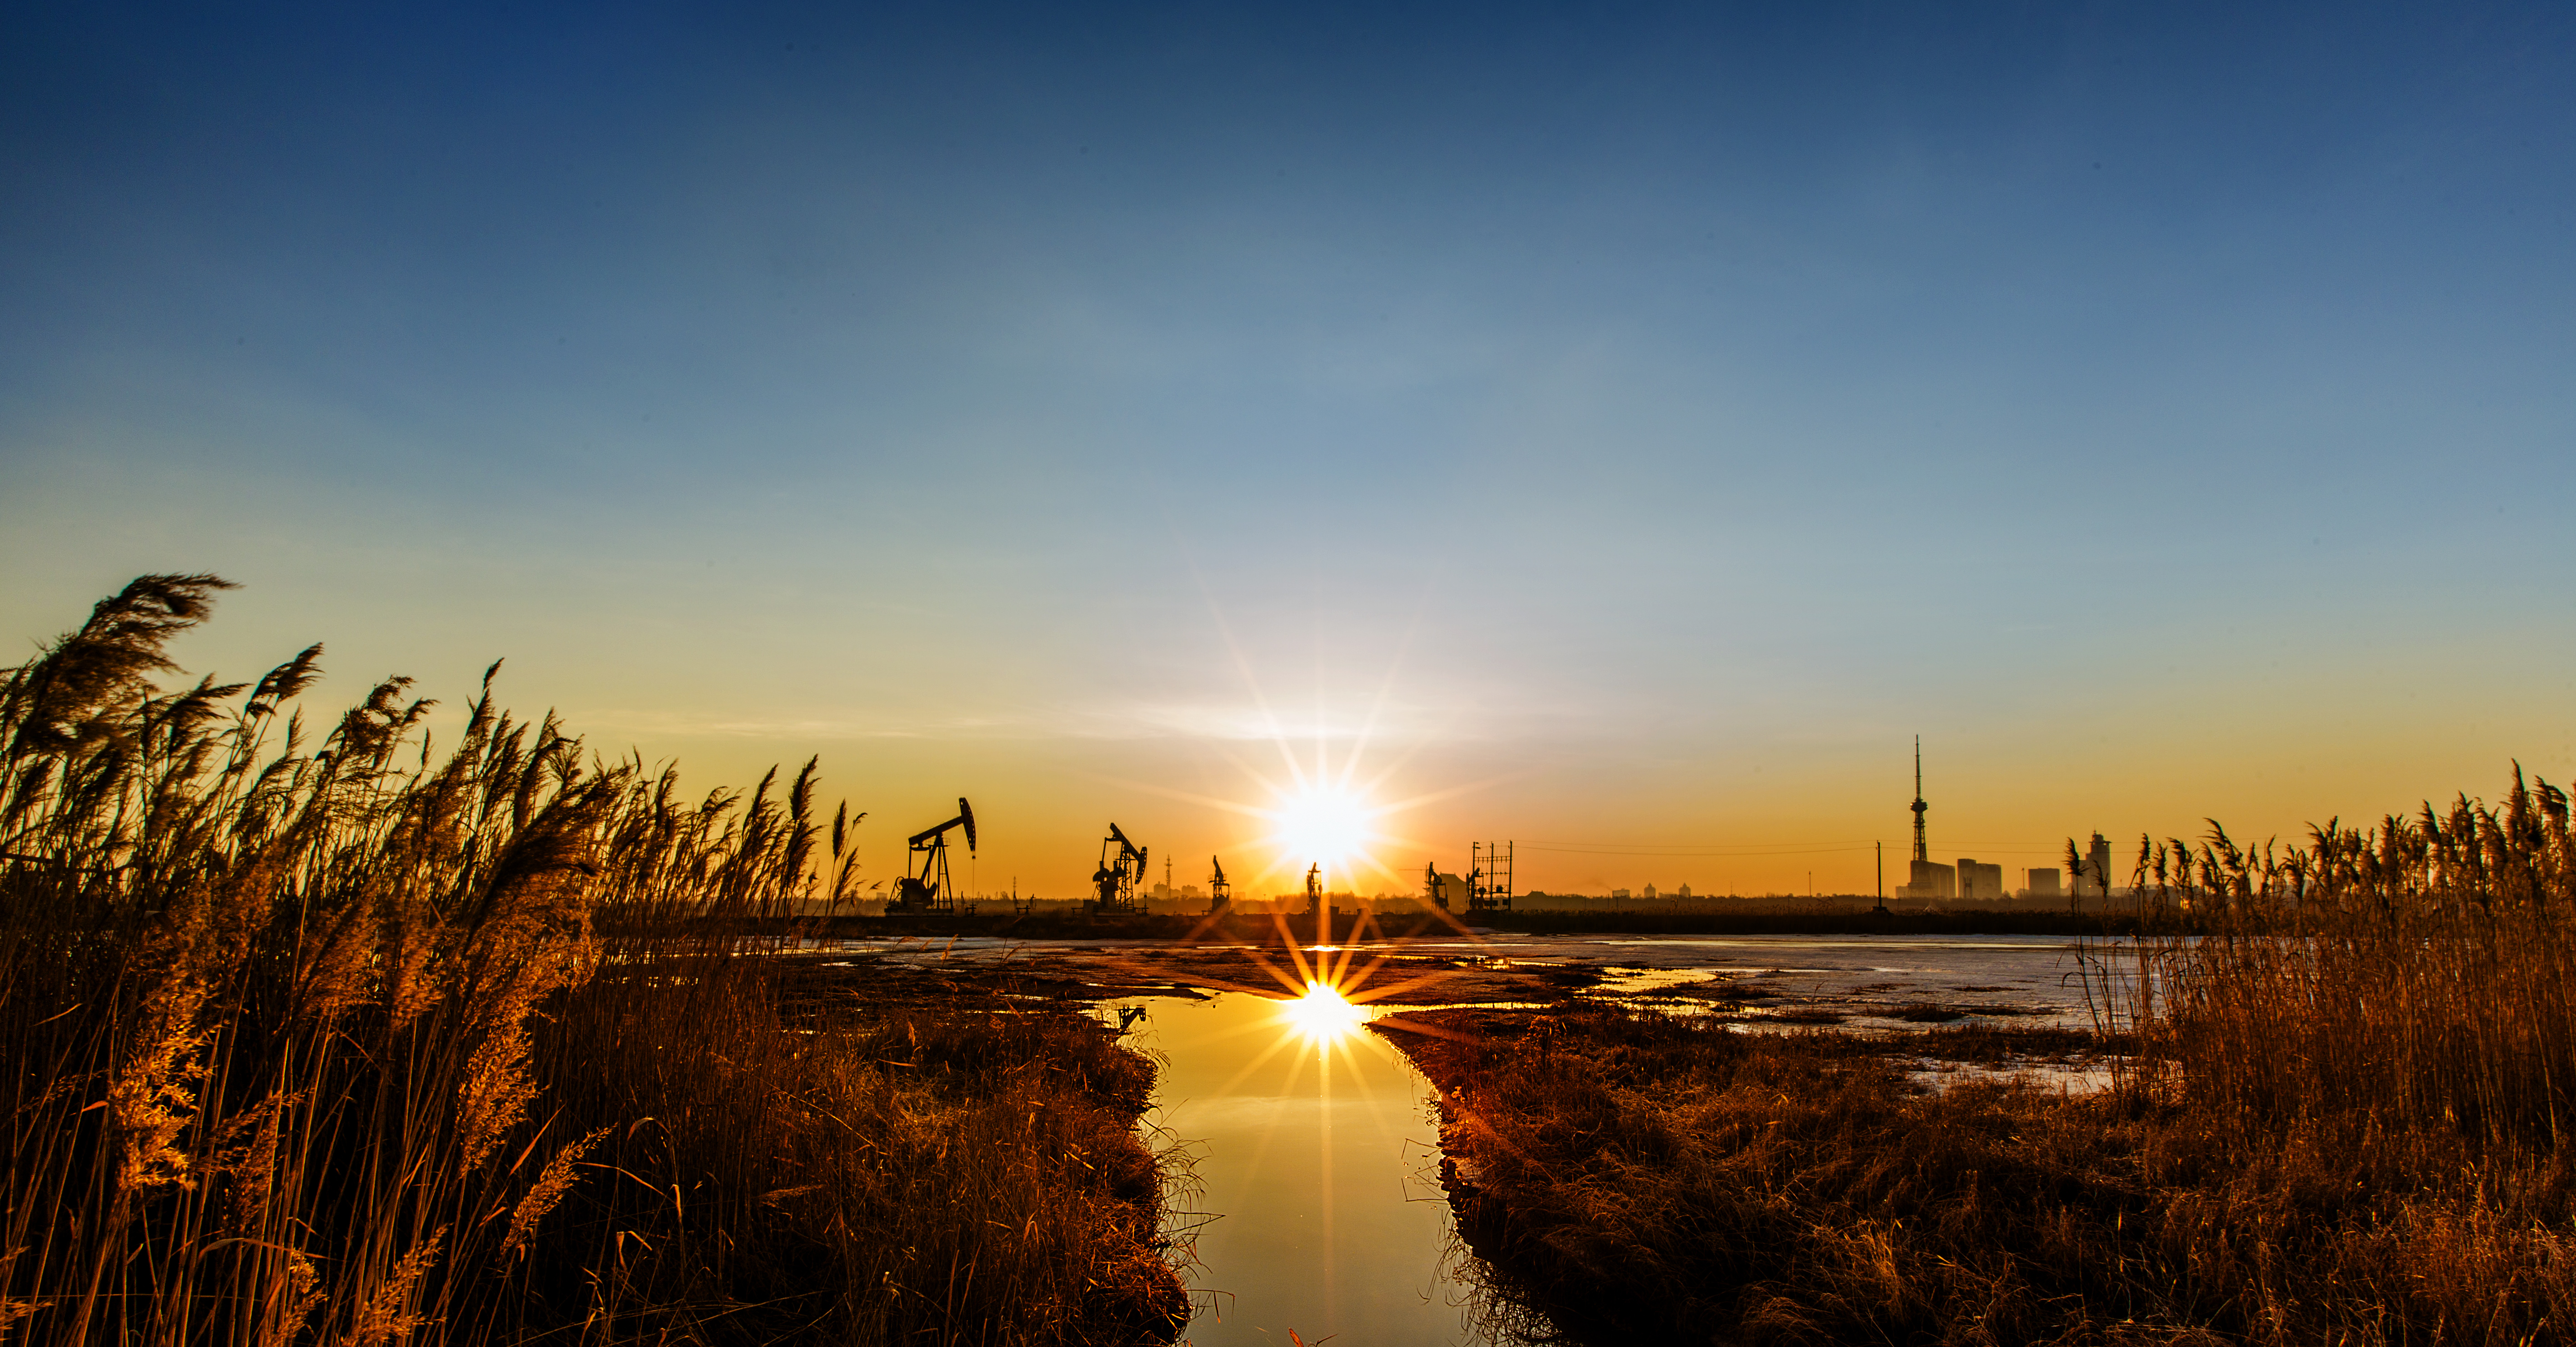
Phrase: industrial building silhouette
(1975, 881)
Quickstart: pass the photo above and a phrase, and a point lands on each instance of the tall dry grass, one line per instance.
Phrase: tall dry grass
(2415, 978)
(2344, 1124)
(320, 1034)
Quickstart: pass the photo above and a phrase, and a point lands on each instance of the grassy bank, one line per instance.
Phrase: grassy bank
(2342, 1125)
(315, 1034)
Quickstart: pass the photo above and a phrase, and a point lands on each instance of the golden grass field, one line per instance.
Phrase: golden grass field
(317, 1032)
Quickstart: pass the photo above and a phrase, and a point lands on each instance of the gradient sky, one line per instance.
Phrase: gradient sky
(1618, 428)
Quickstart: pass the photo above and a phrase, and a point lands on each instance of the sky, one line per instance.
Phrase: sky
(1620, 429)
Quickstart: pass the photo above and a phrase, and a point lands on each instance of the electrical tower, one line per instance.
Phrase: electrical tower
(1489, 877)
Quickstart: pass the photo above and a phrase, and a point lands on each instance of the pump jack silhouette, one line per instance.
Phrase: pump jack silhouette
(926, 890)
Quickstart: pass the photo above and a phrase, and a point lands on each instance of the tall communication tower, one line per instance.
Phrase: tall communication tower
(1922, 851)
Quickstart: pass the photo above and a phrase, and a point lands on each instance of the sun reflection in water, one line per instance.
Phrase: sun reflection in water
(1323, 1015)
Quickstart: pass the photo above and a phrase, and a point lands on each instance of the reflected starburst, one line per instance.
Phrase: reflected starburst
(1323, 1015)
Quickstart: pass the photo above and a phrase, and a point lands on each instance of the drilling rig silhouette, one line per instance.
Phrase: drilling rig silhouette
(1220, 893)
(926, 890)
(1114, 886)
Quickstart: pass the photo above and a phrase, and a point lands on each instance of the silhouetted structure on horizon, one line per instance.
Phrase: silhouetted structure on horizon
(1489, 877)
(1929, 878)
(2093, 880)
(1114, 884)
(926, 890)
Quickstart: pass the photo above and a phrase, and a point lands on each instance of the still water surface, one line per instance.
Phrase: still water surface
(1317, 1153)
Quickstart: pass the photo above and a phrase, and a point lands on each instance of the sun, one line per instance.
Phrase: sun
(1323, 824)
(1323, 1014)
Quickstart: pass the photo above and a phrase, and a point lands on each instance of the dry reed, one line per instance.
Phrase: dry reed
(329, 1037)
(2342, 1124)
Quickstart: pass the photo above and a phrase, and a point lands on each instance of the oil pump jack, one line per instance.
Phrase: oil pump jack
(926, 890)
(1220, 893)
(1114, 884)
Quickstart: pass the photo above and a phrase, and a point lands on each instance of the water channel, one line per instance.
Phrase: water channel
(1315, 1150)
(1316, 1158)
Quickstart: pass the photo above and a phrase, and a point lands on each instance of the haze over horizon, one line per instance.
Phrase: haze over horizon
(1614, 429)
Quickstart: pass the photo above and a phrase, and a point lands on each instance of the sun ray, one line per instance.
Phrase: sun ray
(1320, 797)
(1279, 1043)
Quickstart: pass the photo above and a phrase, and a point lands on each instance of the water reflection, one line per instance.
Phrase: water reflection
(1317, 1151)
(1323, 1016)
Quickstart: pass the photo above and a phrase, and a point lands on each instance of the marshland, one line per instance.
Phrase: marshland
(321, 1030)
(2335, 1114)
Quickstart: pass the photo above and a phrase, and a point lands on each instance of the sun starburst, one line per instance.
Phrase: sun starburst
(1322, 824)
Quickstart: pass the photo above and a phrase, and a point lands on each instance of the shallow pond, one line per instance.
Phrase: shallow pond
(1864, 982)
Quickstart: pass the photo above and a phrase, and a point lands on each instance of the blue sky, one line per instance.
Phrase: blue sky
(1608, 424)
